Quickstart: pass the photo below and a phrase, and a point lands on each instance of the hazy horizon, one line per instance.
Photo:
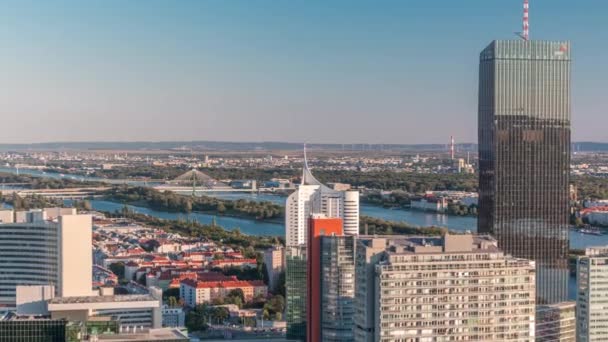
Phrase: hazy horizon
(393, 72)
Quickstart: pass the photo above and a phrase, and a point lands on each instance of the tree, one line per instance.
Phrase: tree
(221, 208)
(237, 293)
(118, 268)
(278, 316)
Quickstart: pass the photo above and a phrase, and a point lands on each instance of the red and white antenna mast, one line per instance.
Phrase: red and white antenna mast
(452, 147)
(526, 28)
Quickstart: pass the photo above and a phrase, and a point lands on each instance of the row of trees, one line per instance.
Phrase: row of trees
(44, 182)
(170, 201)
(232, 238)
(371, 226)
(30, 201)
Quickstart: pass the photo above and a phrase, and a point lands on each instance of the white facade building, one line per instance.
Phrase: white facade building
(46, 253)
(592, 295)
(313, 197)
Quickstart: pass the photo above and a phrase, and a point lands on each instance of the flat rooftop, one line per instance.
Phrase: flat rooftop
(165, 334)
(102, 299)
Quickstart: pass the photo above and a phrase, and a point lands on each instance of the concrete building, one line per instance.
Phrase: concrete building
(7, 215)
(46, 253)
(524, 156)
(296, 291)
(592, 295)
(194, 292)
(320, 225)
(429, 288)
(337, 288)
(173, 317)
(313, 197)
(131, 312)
(556, 322)
(274, 259)
(431, 203)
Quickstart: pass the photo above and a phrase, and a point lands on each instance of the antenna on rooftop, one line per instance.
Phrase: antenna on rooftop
(525, 34)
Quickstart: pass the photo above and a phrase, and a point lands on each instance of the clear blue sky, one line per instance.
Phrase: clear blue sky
(400, 71)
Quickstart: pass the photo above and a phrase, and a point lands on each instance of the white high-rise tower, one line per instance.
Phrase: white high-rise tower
(313, 197)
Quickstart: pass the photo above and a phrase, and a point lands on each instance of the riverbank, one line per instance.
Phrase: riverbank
(144, 204)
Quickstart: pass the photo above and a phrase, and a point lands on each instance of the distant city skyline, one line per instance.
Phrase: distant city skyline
(340, 72)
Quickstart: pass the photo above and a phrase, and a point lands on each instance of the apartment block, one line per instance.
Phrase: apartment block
(453, 287)
(556, 322)
(592, 295)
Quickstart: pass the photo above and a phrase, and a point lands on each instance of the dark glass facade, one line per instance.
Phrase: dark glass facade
(337, 288)
(524, 155)
(295, 288)
(32, 330)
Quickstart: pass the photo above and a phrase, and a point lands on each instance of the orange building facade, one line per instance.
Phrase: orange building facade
(320, 225)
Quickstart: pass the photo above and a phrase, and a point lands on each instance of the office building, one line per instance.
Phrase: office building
(524, 155)
(32, 329)
(54, 253)
(313, 197)
(173, 317)
(431, 288)
(274, 259)
(337, 288)
(592, 295)
(45, 329)
(132, 312)
(296, 290)
(320, 225)
(556, 322)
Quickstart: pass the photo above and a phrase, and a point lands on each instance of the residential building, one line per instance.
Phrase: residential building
(194, 292)
(320, 225)
(429, 288)
(47, 253)
(369, 252)
(524, 155)
(592, 295)
(274, 259)
(556, 322)
(337, 288)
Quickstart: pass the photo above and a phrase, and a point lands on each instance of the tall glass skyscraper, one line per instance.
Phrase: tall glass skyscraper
(524, 155)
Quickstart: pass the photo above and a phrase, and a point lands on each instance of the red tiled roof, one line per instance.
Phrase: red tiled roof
(224, 284)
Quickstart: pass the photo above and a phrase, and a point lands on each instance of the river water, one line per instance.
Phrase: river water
(252, 227)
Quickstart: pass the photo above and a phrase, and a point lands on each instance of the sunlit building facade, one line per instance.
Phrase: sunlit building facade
(455, 287)
(524, 155)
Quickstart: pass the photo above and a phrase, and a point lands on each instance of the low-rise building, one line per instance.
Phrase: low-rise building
(194, 292)
(173, 317)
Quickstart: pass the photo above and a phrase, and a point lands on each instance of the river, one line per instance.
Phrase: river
(414, 217)
(252, 227)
